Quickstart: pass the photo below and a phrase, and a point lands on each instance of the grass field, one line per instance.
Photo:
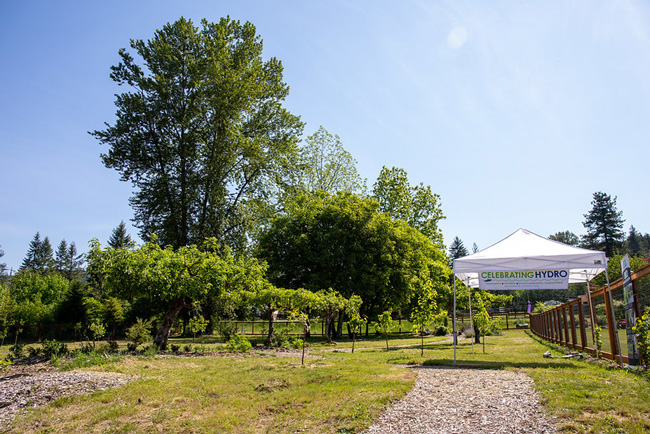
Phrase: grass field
(335, 391)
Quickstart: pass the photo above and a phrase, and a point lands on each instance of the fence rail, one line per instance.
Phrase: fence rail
(572, 324)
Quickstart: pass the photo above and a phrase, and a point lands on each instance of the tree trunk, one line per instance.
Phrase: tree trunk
(269, 337)
(477, 335)
(339, 328)
(168, 322)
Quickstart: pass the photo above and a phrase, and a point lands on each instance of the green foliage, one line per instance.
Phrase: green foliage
(68, 261)
(39, 257)
(642, 330)
(88, 359)
(599, 342)
(343, 242)
(238, 344)
(54, 349)
(96, 330)
(201, 133)
(29, 285)
(384, 324)
(566, 237)
(541, 307)
(416, 205)
(169, 277)
(197, 324)
(139, 333)
(5, 364)
(604, 225)
(326, 166)
(120, 238)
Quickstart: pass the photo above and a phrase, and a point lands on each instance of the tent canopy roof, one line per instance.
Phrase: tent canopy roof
(524, 251)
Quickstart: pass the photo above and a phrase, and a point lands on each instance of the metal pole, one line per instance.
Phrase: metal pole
(471, 322)
(611, 306)
(591, 314)
(454, 316)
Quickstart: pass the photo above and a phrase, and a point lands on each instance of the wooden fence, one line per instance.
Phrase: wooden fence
(572, 324)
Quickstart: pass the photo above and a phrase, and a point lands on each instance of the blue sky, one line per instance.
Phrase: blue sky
(515, 113)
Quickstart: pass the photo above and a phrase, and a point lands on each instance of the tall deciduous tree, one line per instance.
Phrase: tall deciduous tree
(566, 237)
(202, 132)
(343, 242)
(325, 165)
(416, 205)
(604, 225)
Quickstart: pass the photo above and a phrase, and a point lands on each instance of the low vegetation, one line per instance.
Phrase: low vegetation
(335, 390)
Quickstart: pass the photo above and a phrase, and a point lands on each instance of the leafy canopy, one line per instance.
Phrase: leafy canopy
(201, 133)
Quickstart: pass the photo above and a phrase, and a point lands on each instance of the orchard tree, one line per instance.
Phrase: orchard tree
(201, 133)
(604, 225)
(416, 205)
(176, 278)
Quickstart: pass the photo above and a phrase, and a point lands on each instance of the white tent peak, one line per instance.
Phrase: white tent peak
(524, 250)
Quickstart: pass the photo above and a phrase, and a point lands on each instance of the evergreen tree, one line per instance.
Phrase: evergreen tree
(457, 249)
(40, 256)
(3, 266)
(604, 225)
(61, 256)
(120, 238)
(633, 242)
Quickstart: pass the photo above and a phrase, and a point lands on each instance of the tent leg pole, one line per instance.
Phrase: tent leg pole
(471, 321)
(455, 336)
(611, 306)
(593, 318)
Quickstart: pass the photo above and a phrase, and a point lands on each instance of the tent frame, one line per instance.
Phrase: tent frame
(579, 273)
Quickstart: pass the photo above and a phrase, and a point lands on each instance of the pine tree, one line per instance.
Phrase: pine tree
(457, 249)
(633, 242)
(39, 255)
(61, 256)
(3, 266)
(120, 238)
(604, 225)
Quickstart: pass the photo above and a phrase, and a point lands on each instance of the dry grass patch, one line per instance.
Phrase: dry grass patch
(243, 395)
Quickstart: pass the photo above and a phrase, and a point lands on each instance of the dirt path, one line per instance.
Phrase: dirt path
(461, 400)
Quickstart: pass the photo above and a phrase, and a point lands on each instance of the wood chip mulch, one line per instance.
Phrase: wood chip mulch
(463, 400)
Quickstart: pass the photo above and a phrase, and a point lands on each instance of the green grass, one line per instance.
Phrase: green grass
(335, 391)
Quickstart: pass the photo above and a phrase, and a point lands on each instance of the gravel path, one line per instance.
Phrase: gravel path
(450, 400)
(27, 390)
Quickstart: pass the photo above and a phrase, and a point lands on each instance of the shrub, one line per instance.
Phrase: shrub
(188, 348)
(175, 348)
(138, 333)
(238, 344)
(17, 351)
(295, 343)
(34, 351)
(642, 330)
(227, 330)
(441, 330)
(54, 349)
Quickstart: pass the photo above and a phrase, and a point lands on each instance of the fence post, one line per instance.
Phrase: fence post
(574, 339)
(611, 324)
(581, 318)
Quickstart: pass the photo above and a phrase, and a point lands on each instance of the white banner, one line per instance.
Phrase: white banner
(535, 279)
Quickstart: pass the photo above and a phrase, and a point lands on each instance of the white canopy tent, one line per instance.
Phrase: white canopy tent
(526, 251)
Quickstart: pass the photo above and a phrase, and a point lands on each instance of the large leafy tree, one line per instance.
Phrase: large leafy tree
(416, 205)
(325, 165)
(343, 242)
(604, 225)
(201, 133)
(175, 278)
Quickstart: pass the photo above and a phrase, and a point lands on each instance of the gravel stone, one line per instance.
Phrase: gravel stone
(461, 400)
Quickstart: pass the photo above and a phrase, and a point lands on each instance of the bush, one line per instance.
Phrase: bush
(188, 348)
(138, 333)
(131, 347)
(86, 348)
(441, 330)
(34, 351)
(295, 343)
(176, 348)
(54, 349)
(227, 330)
(17, 351)
(238, 344)
(281, 339)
